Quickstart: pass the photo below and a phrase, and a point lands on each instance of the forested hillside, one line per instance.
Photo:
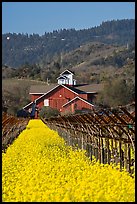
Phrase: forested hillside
(19, 49)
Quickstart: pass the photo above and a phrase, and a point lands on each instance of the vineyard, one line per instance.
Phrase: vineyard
(107, 134)
(11, 128)
(40, 167)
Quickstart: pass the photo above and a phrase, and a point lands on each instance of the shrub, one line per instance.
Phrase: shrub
(47, 112)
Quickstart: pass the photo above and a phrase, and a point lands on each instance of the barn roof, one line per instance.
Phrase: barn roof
(41, 89)
(72, 88)
(89, 88)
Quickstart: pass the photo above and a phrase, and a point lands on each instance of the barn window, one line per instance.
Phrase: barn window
(46, 102)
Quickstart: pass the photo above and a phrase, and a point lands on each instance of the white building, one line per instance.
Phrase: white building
(66, 77)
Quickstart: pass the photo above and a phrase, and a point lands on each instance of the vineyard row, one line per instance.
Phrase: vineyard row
(107, 134)
(11, 128)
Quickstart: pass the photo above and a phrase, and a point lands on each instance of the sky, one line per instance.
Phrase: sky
(41, 17)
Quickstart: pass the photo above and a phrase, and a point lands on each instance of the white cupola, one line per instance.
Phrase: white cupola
(66, 77)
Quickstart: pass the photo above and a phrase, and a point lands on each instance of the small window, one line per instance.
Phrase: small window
(46, 102)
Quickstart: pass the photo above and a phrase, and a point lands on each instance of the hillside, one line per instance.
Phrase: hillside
(15, 93)
(19, 49)
(88, 62)
(92, 59)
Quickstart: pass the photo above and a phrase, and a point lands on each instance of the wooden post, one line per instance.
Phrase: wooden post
(91, 148)
(116, 153)
(86, 142)
(120, 155)
(125, 157)
(81, 141)
(107, 151)
(68, 139)
(96, 148)
(88, 146)
(112, 156)
(99, 149)
(102, 151)
(129, 158)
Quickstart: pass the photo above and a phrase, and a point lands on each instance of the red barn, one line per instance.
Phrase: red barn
(64, 96)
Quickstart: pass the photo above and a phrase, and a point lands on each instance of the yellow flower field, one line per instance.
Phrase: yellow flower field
(39, 166)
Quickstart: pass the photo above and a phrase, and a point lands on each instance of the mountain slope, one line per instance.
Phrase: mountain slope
(17, 49)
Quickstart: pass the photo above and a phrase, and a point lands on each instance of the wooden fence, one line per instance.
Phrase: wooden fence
(107, 134)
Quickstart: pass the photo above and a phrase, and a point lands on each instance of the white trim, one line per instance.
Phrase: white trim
(67, 71)
(35, 93)
(27, 105)
(62, 77)
(78, 98)
(90, 92)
